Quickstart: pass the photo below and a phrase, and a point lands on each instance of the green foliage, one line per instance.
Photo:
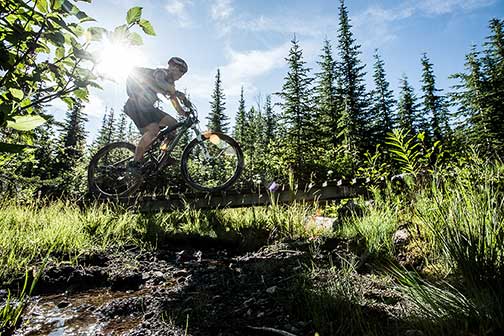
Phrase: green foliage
(382, 103)
(434, 105)
(217, 119)
(296, 118)
(354, 121)
(374, 169)
(407, 109)
(478, 94)
(239, 129)
(45, 55)
(327, 100)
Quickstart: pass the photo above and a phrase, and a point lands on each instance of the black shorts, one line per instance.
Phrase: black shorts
(143, 112)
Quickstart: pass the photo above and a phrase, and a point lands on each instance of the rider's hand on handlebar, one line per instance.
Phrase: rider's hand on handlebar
(182, 97)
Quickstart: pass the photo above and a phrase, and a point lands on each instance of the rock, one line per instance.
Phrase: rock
(401, 237)
(271, 290)
(63, 304)
(127, 280)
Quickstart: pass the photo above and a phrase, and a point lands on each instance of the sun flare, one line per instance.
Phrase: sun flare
(115, 60)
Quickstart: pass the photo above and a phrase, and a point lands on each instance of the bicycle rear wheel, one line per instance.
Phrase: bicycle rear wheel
(108, 173)
(212, 164)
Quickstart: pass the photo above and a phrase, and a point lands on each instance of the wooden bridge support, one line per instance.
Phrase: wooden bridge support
(233, 199)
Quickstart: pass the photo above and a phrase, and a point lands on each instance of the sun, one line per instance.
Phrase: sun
(115, 60)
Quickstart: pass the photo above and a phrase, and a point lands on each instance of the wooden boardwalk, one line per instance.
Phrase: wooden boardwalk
(235, 199)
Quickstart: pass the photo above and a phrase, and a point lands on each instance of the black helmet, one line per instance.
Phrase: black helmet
(179, 62)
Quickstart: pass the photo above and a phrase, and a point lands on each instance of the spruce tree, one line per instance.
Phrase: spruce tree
(239, 127)
(106, 131)
(110, 127)
(407, 107)
(270, 120)
(434, 106)
(132, 134)
(296, 104)
(474, 121)
(493, 66)
(354, 122)
(383, 102)
(217, 120)
(121, 133)
(326, 98)
(73, 138)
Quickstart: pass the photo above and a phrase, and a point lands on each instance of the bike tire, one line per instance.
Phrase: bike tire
(230, 181)
(93, 187)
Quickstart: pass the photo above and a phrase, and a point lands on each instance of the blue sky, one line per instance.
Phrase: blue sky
(249, 40)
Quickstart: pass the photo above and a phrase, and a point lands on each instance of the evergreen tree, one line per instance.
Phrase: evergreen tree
(296, 96)
(217, 120)
(382, 102)
(354, 122)
(493, 65)
(44, 163)
(270, 120)
(132, 134)
(239, 128)
(326, 98)
(434, 106)
(407, 107)
(106, 131)
(121, 134)
(474, 121)
(73, 138)
(110, 130)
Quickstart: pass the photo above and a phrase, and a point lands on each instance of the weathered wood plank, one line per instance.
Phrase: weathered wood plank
(235, 199)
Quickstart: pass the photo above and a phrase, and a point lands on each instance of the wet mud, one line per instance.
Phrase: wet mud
(207, 290)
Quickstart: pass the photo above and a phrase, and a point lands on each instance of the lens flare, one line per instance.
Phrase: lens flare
(115, 60)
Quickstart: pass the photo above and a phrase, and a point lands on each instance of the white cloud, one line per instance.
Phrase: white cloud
(437, 7)
(374, 24)
(95, 108)
(178, 8)
(221, 9)
(242, 69)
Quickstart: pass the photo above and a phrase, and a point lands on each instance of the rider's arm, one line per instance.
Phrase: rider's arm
(176, 104)
(168, 87)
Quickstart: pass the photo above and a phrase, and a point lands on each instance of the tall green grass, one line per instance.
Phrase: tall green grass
(374, 223)
(461, 219)
(29, 230)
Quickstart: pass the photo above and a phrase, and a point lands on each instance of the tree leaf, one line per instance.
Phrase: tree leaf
(60, 52)
(42, 6)
(147, 27)
(96, 33)
(135, 39)
(26, 123)
(16, 93)
(83, 17)
(56, 4)
(11, 148)
(134, 14)
(82, 94)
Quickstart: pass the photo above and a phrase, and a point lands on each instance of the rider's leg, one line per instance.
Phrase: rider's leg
(169, 121)
(148, 132)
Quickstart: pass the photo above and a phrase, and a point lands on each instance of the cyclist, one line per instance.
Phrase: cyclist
(142, 86)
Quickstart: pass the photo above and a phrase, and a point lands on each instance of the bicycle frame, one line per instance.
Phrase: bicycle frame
(190, 122)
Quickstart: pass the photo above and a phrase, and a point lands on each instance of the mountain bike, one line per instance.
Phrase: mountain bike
(210, 162)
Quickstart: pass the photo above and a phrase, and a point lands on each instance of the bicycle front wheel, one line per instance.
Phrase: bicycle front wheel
(212, 164)
(108, 173)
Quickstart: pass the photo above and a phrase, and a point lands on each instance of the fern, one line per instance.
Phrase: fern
(406, 151)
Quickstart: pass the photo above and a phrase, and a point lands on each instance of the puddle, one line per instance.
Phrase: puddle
(76, 314)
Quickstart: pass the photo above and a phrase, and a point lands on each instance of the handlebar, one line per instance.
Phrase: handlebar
(185, 104)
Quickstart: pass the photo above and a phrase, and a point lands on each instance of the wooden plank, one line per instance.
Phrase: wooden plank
(235, 199)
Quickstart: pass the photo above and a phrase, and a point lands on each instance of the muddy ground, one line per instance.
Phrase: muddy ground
(204, 288)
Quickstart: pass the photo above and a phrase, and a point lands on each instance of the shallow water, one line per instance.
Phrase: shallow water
(75, 314)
